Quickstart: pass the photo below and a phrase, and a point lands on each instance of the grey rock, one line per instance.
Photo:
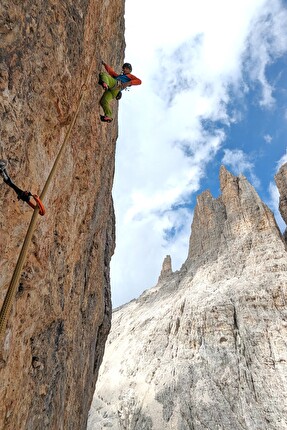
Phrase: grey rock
(281, 182)
(206, 347)
(166, 268)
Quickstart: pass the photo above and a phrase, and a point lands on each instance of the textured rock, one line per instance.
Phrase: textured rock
(166, 268)
(60, 319)
(206, 347)
(281, 182)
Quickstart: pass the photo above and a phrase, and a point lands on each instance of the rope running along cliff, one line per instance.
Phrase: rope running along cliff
(11, 292)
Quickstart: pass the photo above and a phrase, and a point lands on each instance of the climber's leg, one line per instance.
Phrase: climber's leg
(107, 79)
(106, 99)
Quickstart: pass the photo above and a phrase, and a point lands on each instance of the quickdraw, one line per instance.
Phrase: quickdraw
(21, 195)
(39, 203)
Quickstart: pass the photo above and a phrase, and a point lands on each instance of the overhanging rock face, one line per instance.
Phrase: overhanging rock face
(206, 347)
(55, 337)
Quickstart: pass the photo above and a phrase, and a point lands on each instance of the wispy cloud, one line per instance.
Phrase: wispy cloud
(273, 203)
(267, 138)
(282, 160)
(240, 163)
(266, 42)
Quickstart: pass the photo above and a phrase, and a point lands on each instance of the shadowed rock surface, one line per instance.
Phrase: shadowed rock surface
(206, 347)
(56, 333)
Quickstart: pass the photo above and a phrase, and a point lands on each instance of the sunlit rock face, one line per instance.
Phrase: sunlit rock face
(206, 347)
(55, 337)
(281, 182)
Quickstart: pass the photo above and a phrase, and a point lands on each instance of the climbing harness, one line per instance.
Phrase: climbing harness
(14, 284)
(21, 195)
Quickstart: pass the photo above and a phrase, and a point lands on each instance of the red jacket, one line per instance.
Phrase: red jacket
(133, 80)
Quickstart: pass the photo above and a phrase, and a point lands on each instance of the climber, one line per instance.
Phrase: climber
(113, 84)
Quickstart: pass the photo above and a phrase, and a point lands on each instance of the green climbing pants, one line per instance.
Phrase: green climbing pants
(109, 94)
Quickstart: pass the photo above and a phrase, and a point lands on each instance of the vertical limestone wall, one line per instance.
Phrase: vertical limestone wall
(55, 337)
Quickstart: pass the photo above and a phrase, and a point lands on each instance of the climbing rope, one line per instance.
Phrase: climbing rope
(12, 289)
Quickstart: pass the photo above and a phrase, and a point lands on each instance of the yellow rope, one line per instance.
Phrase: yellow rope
(12, 289)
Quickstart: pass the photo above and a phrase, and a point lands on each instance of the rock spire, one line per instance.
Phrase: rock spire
(166, 269)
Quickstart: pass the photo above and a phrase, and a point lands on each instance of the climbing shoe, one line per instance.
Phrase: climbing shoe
(103, 84)
(105, 118)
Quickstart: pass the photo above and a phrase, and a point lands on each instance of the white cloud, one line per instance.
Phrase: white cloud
(268, 138)
(238, 160)
(274, 205)
(191, 64)
(282, 160)
(240, 164)
(267, 42)
(274, 195)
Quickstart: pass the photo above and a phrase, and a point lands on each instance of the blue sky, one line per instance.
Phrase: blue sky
(261, 134)
(214, 92)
